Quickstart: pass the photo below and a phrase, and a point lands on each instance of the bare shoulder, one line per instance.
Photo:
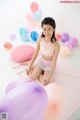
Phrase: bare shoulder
(57, 45)
(39, 39)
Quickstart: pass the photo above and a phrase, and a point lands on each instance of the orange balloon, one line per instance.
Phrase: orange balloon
(7, 45)
(55, 101)
(65, 51)
(34, 7)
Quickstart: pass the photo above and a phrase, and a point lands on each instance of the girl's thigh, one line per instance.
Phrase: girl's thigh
(46, 73)
(35, 73)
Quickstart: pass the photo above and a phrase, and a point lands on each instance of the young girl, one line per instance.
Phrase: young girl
(47, 51)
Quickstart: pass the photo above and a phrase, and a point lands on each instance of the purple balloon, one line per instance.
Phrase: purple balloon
(64, 37)
(14, 84)
(74, 42)
(26, 101)
(12, 37)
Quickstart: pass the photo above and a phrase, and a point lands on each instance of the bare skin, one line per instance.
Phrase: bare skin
(35, 72)
(43, 76)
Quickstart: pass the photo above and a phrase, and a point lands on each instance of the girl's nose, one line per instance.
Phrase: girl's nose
(47, 32)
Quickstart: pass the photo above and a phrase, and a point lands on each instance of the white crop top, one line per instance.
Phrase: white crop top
(46, 48)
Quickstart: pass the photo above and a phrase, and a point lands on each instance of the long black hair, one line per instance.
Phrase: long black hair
(49, 21)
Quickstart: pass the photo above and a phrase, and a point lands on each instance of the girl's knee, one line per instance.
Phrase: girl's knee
(32, 76)
(35, 73)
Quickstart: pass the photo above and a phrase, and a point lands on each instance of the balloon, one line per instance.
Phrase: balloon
(24, 34)
(34, 35)
(25, 37)
(23, 31)
(29, 29)
(12, 37)
(34, 7)
(64, 37)
(55, 101)
(30, 17)
(26, 101)
(10, 87)
(58, 36)
(74, 42)
(65, 51)
(37, 16)
(7, 45)
(68, 44)
(14, 84)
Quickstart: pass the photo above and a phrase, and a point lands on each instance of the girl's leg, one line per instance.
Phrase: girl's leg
(43, 77)
(25, 63)
(35, 73)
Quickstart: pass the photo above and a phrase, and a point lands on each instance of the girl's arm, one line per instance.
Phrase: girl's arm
(57, 49)
(36, 53)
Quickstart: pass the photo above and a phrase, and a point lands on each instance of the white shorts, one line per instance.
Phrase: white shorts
(44, 64)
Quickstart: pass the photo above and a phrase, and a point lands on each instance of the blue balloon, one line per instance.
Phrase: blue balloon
(37, 16)
(34, 35)
(24, 37)
(23, 30)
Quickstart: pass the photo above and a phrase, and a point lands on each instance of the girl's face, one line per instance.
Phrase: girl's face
(47, 30)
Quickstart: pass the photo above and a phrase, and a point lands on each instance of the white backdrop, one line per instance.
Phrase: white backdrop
(13, 15)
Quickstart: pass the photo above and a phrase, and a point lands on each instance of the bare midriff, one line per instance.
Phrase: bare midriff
(46, 57)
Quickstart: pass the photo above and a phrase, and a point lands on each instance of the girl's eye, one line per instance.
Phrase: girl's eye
(44, 29)
(49, 29)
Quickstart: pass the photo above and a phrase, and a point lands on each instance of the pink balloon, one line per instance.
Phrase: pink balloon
(74, 42)
(30, 17)
(29, 29)
(55, 101)
(68, 44)
(34, 6)
(26, 101)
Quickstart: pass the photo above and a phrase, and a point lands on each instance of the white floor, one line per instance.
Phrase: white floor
(67, 75)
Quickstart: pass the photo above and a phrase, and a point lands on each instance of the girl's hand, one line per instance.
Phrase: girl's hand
(45, 81)
(28, 70)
